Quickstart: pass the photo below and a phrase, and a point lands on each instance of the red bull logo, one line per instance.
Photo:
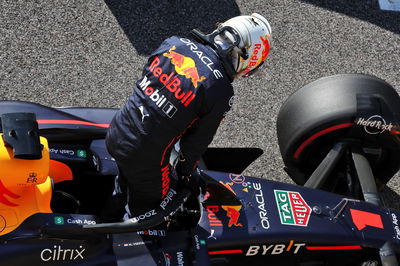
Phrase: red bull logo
(260, 53)
(233, 214)
(171, 82)
(212, 217)
(184, 66)
(5, 192)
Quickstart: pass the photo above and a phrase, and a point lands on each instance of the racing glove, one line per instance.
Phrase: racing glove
(189, 177)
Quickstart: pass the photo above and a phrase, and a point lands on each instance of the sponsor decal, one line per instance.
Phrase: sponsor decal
(258, 55)
(165, 180)
(79, 221)
(262, 212)
(277, 249)
(167, 258)
(274, 249)
(396, 227)
(212, 218)
(168, 198)
(362, 219)
(170, 81)
(81, 153)
(133, 244)
(375, 124)
(293, 210)
(160, 100)
(228, 185)
(233, 214)
(144, 115)
(246, 186)
(5, 192)
(152, 232)
(265, 52)
(238, 179)
(62, 151)
(58, 254)
(203, 58)
(59, 220)
(144, 216)
(197, 242)
(184, 66)
(32, 178)
(212, 235)
(180, 258)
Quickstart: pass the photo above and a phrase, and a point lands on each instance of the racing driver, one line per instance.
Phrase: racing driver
(184, 93)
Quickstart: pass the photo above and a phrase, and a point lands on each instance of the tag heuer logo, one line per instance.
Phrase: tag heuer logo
(293, 210)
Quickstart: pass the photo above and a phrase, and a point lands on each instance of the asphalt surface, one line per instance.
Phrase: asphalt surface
(90, 53)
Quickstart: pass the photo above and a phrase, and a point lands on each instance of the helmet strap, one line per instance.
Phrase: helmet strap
(223, 53)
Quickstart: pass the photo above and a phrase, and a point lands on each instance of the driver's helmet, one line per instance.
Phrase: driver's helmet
(250, 36)
(242, 43)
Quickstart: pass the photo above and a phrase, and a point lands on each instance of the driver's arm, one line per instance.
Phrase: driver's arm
(196, 139)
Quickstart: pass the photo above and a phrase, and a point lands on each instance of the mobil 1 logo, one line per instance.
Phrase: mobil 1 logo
(157, 97)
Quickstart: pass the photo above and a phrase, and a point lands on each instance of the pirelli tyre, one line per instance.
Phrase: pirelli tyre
(350, 107)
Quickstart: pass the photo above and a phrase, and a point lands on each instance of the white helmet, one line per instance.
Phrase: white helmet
(242, 42)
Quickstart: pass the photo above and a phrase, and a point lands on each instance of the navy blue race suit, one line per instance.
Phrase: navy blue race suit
(183, 95)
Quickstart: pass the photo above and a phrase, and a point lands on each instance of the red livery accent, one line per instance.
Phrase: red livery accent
(361, 219)
(232, 251)
(317, 135)
(334, 247)
(71, 122)
(5, 192)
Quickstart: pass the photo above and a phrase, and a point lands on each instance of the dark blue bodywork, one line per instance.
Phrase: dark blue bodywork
(275, 223)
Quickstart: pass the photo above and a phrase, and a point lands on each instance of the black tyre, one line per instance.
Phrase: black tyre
(350, 107)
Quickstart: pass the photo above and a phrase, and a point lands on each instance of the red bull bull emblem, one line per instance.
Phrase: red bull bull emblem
(267, 47)
(233, 215)
(184, 66)
(228, 185)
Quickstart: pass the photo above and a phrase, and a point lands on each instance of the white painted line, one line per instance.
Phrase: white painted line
(390, 5)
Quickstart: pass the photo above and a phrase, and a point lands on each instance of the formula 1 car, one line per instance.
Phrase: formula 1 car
(338, 136)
